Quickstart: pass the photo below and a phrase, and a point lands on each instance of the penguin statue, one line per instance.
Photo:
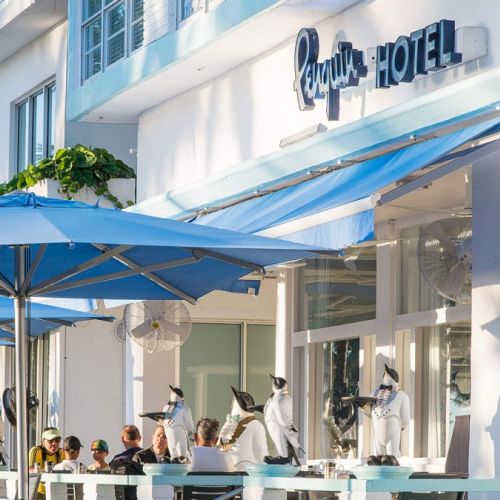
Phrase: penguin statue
(389, 409)
(178, 425)
(278, 418)
(243, 437)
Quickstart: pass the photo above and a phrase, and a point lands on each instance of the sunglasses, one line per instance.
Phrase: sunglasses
(54, 440)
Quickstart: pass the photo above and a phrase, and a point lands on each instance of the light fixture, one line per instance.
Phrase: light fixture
(303, 134)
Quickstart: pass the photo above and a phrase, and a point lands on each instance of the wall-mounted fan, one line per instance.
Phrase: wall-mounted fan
(120, 332)
(444, 256)
(157, 325)
(9, 404)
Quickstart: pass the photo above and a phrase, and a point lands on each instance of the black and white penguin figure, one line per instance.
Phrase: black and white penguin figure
(243, 437)
(390, 414)
(279, 423)
(178, 425)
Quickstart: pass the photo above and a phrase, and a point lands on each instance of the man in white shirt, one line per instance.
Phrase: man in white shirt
(205, 457)
(71, 448)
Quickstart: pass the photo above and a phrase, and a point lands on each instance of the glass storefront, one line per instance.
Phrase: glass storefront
(338, 290)
(417, 294)
(445, 371)
(214, 357)
(339, 429)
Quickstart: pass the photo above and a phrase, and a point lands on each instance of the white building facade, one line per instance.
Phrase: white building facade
(205, 93)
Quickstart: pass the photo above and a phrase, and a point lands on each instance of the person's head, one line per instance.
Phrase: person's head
(206, 432)
(131, 437)
(72, 447)
(51, 438)
(100, 450)
(159, 440)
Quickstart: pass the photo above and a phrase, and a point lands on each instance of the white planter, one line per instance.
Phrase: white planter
(123, 189)
(48, 188)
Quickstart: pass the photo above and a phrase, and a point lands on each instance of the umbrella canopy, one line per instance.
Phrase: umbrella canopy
(59, 248)
(42, 318)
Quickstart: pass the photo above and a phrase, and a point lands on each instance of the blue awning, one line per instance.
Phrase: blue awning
(337, 189)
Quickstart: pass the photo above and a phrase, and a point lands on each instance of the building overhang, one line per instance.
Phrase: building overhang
(23, 21)
(201, 50)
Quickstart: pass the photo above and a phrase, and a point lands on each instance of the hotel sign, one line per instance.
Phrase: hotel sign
(429, 49)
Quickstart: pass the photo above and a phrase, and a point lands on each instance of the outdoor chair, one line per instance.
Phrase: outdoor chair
(211, 492)
(434, 495)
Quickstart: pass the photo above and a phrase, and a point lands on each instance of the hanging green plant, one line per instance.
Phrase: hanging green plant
(75, 168)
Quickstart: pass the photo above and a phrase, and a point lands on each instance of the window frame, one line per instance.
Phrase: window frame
(48, 90)
(102, 14)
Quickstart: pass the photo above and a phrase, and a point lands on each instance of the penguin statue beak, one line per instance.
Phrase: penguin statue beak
(171, 388)
(273, 378)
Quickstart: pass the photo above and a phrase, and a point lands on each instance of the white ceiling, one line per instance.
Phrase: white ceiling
(22, 21)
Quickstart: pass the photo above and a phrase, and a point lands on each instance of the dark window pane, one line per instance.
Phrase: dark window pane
(339, 436)
(22, 136)
(90, 7)
(51, 112)
(116, 19)
(137, 9)
(37, 129)
(92, 62)
(92, 34)
(186, 9)
(116, 48)
(137, 35)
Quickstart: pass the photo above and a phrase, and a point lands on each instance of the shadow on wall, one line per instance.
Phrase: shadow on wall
(494, 431)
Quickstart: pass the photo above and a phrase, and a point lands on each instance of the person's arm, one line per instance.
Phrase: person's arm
(33, 458)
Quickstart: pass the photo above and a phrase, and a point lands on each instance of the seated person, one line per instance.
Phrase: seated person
(158, 452)
(70, 463)
(46, 453)
(205, 457)
(100, 451)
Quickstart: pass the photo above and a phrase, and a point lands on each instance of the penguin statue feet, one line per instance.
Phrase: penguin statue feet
(388, 460)
(382, 460)
(373, 460)
(277, 460)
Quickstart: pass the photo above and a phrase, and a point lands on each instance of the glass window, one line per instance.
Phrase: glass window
(338, 290)
(446, 384)
(22, 135)
(113, 28)
(51, 110)
(91, 7)
(417, 294)
(35, 137)
(37, 108)
(261, 348)
(339, 429)
(212, 359)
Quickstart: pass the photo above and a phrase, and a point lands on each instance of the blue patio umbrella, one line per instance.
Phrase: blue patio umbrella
(42, 318)
(59, 248)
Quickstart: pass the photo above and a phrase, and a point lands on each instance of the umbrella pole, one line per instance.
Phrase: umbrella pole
(21, 413)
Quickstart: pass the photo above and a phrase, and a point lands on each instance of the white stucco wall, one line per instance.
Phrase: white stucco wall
(244, 113)
(38, 62)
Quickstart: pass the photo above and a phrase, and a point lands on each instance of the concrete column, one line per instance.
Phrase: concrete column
(386, 298)
(285, 321)
(484, 454)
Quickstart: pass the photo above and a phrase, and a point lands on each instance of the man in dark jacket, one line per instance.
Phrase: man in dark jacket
(123, 463)
(158, 452)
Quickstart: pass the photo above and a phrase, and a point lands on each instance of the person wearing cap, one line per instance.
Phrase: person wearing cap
(100, 451)
(178, 425)
(46, 453)
(72, 446)
(158, 452)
